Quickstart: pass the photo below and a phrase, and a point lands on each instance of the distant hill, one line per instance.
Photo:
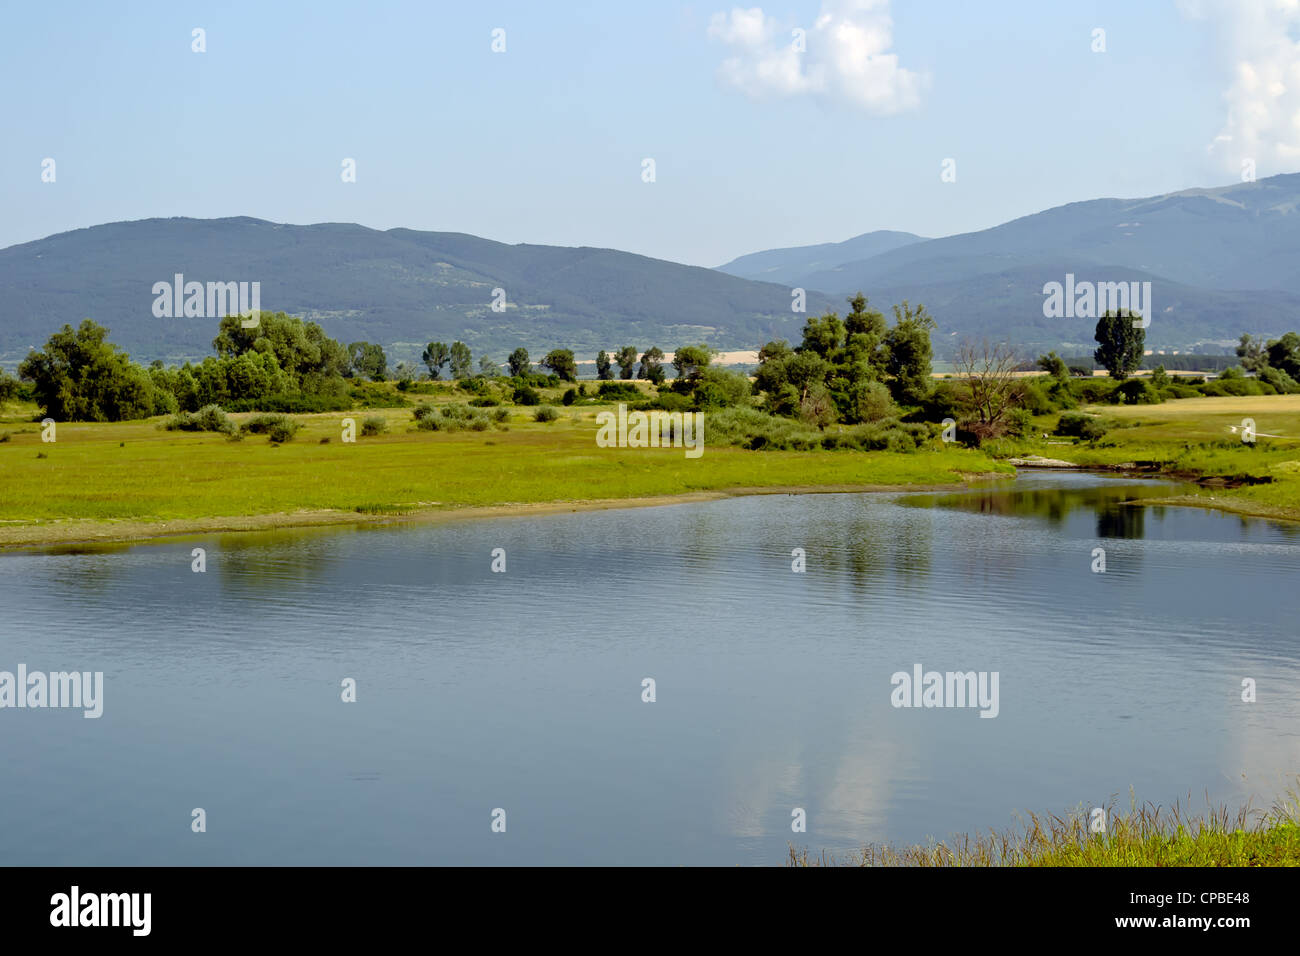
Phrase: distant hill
(401, 288)
(1221, 261)
(789, 266)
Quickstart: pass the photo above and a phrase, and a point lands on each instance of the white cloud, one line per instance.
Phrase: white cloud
(846, 56)
(1263, 93)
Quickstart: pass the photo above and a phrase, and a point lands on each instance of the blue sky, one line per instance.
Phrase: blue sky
(755, 145)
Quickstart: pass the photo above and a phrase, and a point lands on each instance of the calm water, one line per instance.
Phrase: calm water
(523, 690)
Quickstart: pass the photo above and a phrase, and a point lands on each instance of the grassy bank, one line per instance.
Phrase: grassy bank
(133, 479)
(1192, 438)
(1143, 836)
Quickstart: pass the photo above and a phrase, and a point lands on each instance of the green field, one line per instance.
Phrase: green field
(1192, 438)
(134, 474)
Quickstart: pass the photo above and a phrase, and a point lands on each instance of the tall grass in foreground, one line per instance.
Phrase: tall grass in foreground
(1145, 836)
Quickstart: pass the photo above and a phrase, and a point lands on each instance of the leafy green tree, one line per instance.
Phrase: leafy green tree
(908, 354)
(652, 365)
(823, 336)
(436, 355)
(1120, 343)
(462, 362)
(561, 362)
(518, 361)
(80, 376)
(487, 367)
(604, 368)
(8, 386)
(315, 362)
(1253, 353)
(1284, 354)
(367, 359)
(1054, 365)
(691, 361)
(626, 359)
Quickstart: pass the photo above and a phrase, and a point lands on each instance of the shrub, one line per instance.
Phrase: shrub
(1136, 391)
(485, 403)
(500, 415)
(283, 431)
(545, 414)
(373, 425)
(620, 392)
(525, 395)
(1019, 422)
(569, 396)
(422, 413)
(209, 418)
(262, 424)
(1078, 425)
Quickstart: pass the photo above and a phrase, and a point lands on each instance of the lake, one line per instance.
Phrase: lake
(523, 690)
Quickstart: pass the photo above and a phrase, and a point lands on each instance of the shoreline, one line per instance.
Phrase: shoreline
(71, 532)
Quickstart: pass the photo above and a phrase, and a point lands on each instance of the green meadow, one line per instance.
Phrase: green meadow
(1192, 438)
(138, 473)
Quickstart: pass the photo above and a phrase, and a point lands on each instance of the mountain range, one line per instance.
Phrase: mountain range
(1221, 261)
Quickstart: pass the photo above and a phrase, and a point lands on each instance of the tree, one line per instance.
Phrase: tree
(1284, 354)
(8, 386)
(626, 359)
(1253, 353)
(518, 362)
(79, 376)
(1120, 343)
(988, 372)
(652, 365)
(908, 354)
(487, 367)
(368, 359)
(462, 362)
(560, 361)
(1054, 365)
(314, 362)
(436, 355)
(824, 336)
(603, 366)
(691, 361)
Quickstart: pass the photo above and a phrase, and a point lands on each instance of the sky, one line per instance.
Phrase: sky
(755, 144)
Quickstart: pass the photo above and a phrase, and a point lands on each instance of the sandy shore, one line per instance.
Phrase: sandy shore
(77, 531)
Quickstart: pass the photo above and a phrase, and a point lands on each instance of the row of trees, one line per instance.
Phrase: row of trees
(80, 376)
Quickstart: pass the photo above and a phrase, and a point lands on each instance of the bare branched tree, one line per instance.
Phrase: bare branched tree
(988, 372)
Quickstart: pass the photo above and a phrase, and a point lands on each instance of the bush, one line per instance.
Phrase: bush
(373, 425)
(570, 396)
(525, 395)
(283, 431)
(1019, 422)
(1136, 391)
(501, 415)
(545, 414)
(485, 403)
(264, 424)
(1078, 425)
(620, 392)
(209, 418)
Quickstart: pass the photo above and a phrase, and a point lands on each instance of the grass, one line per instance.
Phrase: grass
(1145, 836)
(1192, 438)
(134, 471)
